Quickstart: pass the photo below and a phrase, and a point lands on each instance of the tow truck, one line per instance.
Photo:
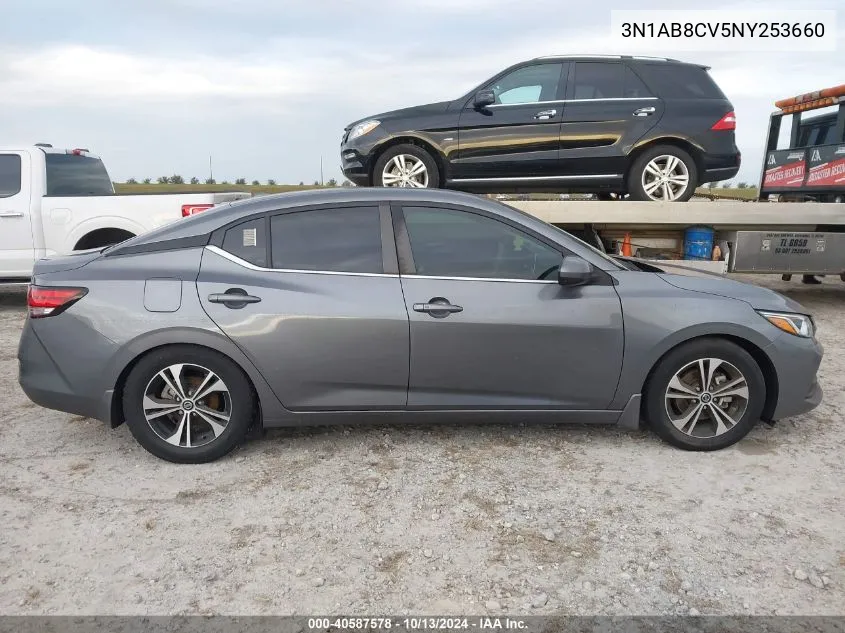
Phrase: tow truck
(767, 235)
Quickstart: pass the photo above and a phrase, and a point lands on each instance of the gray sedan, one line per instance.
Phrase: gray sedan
(393, 305)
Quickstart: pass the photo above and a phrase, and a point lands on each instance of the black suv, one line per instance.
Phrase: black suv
(652, 128)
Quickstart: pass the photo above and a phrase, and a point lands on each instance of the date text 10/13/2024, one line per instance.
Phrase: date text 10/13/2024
(416, 624)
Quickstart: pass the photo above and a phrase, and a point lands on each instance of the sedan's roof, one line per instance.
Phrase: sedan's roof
(208, 221)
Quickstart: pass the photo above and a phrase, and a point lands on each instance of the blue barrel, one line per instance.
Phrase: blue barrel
(698, 242)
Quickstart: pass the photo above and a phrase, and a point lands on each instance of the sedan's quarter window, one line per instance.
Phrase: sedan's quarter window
(10, 175)
(449, 243)
(598, 80)
(248, 241)
(528, 84)
(344, 239)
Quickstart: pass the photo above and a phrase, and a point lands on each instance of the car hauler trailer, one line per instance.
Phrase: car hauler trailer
(804, 237)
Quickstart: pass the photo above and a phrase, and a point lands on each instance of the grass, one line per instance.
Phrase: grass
(187, 188)
(734, 194)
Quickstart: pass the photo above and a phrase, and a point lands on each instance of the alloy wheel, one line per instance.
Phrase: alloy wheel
(666, 178)
(405, 170)
(187, 405)
(707, 398)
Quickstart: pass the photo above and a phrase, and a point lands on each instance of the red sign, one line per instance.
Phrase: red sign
(831, 173)
(789, 175)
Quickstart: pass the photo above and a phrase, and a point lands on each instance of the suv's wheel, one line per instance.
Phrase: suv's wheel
(406, 166)
(187, 404)
(705, 395)
(664, 173)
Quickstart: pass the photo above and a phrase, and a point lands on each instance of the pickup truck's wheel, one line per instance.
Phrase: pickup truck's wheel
(187, 404)
(101, 238)
(705, 395)
(665, 173)
(406, 166)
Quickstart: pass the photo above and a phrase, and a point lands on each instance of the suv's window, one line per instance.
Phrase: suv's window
(73, 175)
(680, 81)
(10, 175)
(634, 86)
(449, 243)
(598, 80)
(344, 239)
(248, 240)
(528, 84)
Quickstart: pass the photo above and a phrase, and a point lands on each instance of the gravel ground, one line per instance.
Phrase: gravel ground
(447, 519)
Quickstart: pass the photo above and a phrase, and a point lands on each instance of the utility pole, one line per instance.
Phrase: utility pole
(210, 171)
(322, 182)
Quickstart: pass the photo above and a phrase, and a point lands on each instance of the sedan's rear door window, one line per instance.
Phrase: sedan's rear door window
(342, 239)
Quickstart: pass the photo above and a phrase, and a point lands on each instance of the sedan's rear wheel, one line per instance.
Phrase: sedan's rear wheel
(705, 395)
(187, 404)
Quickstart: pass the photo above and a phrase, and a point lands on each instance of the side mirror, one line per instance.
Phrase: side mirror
(574, 271)
(484, 98)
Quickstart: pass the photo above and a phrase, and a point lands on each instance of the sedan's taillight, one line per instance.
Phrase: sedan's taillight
(44, 302)
(193, 209)
(727, 122)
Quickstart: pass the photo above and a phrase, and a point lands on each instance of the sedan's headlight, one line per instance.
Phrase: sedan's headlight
(362, 128)
(797, 324)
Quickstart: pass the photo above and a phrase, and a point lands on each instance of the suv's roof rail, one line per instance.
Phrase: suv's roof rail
(665, 59)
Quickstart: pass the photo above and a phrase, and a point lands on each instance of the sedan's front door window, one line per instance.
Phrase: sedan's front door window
(451, 243)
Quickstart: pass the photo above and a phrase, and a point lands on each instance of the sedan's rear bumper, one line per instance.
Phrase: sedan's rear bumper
(44, 383)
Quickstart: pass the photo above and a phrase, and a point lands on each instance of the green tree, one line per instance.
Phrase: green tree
(301, 184)
(176, 179)
(316, 183)
(271, 182)
(147, 181)
(131, 181)
(332, 182)
(195, 181)
(742, 185)
(162, 180)
(240, 181)
(225, 182)
(255, 183)
(726, 185)
(210, 181)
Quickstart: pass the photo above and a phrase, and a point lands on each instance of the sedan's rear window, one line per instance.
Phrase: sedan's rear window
(680, 81)
(74, 175)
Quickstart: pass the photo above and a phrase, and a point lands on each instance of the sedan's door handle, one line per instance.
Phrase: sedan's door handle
(233, 298)
(11, 214)
(545, 115)
(438, 307)
(644, 111)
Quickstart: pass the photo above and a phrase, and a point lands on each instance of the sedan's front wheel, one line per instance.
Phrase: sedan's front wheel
(187, 404)
(705, 395)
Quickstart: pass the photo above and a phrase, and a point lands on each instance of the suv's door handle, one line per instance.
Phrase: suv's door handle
(545, 115)
(233, 298)
(644, 111)
(11, 214)
(438, 307)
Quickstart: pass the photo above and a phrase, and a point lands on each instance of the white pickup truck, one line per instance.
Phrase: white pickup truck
(55, 201)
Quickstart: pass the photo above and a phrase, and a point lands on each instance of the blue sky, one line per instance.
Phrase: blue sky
(266, 87)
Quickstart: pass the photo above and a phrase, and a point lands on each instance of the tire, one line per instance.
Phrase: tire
(198, 441)
(406, 154)
(660, 154)
(701, 432)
